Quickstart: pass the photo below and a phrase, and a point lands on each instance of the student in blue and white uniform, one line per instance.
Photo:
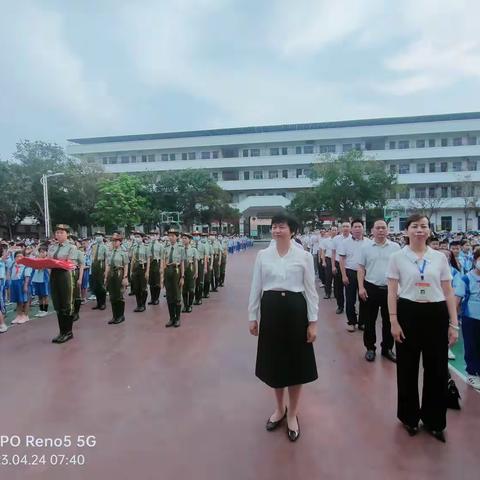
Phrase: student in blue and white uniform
(87, 250)
(467, 292)
(465, 257)
(3, 277)
(41, 284)
(20, 288)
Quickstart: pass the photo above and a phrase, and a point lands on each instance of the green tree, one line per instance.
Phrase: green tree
(307, 207)
(352, 184)
(120, 202)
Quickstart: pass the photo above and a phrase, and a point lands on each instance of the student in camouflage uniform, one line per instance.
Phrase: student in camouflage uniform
(116, 278)
(208, 267)
(174, 277)
(202, 266)
(191, 272)
(223, 263)
(156, 268)
(78, 258)
(217, 258)
(61, 284)
(97, 275)
(140, 270)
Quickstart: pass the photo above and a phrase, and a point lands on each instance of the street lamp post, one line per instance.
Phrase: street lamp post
(46, 209)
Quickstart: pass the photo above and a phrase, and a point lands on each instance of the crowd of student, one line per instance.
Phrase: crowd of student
(350, 273)
(24, 286)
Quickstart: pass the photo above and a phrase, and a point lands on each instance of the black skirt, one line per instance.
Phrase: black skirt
(284, 358)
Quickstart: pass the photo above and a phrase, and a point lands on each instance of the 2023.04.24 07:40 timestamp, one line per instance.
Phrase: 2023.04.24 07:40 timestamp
(53, 460)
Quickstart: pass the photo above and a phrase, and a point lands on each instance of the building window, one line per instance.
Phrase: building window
(215, 154)
(215, 176)
(327, 149)
(393, 168)
(284, 151)
(444, 142)
(298, 150)
(255, 152)
(405, 193)
(457, 166)
(403, 144)
(284, 173)
(173, 157)
(144, 159)
(347, 147)
(404, 168)
(245, 152)
(420, 192)
(184, 156)
(431, 142)
(432, 192)
(299, 172)
(104, 160)
(230, 152)
(420, 143)
(431, 167)
(205, 155)
(274, 151)
(358, 146)
(133, 159)
(246, 175)
(420, 168)
(457, 141)
(258, 175)
(472, 140)
(446, 223)
(151, 158)
(456, 190)
(444, 192)
(308, 149)
(272, 174)
(164, 157)
(392, 145)
(124, 159)
(192, 156)
(444, 167)
(471, 165)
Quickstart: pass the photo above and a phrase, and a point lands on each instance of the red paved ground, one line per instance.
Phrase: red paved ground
(184, 404)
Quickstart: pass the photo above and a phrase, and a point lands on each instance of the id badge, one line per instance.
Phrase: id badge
(423, 291)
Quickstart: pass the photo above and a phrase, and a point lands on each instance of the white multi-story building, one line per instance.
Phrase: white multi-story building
(436, 159)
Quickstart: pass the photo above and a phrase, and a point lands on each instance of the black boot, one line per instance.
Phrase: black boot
(191, 295)
(76, 310)
(114, 313)
(144, 298)
(121, 312)
(185, 302)
(139, 297)
(171, 312)
(177, 311)
(60, 328)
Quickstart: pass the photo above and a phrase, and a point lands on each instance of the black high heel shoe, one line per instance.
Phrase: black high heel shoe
(271, 426)
(293, 435)
(412, 431)
(438, 434)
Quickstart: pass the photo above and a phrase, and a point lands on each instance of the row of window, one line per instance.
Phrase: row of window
(260, 174)
(443, 191)
(432, 142)
(432, 167)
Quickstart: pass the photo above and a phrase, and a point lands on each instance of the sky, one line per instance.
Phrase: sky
(73, 69)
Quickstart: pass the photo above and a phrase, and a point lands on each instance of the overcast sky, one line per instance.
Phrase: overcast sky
(106, 67)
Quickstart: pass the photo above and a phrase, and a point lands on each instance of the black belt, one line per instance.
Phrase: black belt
(380, 287)
(282, 293)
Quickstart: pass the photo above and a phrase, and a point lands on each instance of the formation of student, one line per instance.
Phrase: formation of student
(425, 288)
(188, 266)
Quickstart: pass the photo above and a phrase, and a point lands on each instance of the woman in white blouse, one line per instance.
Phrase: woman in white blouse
(424, 322)
(284, 300)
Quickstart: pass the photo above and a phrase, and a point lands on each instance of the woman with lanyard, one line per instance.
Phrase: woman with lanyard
(284, 300)
(424, 322)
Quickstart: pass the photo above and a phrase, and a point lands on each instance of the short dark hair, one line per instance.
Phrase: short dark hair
(356, 220)
(476, 253)
(288, 219)
(416, 217)
(455, 243)
(17, 253)
(379, 220)
(434, 239)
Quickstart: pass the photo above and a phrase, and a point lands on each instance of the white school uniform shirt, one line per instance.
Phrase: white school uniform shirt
(405, 266)
(294, 272)
(351, 249)
(374, 257)
(337, 241)
(327, 246)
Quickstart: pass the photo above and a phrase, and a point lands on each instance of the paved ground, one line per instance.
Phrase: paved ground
(180, 404)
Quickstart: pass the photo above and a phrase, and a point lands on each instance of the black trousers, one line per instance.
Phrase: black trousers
(425, 326)
(338, 287)
(351, 295)
(328, 276)
(377, 299)
(321, 269)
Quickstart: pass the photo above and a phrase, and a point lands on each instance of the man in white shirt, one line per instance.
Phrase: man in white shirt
(372, 288)
(326, 260)
(314, 243)
(338, 287)
(349, 251)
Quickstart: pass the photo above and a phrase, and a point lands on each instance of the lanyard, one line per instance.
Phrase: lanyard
(421, 269)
